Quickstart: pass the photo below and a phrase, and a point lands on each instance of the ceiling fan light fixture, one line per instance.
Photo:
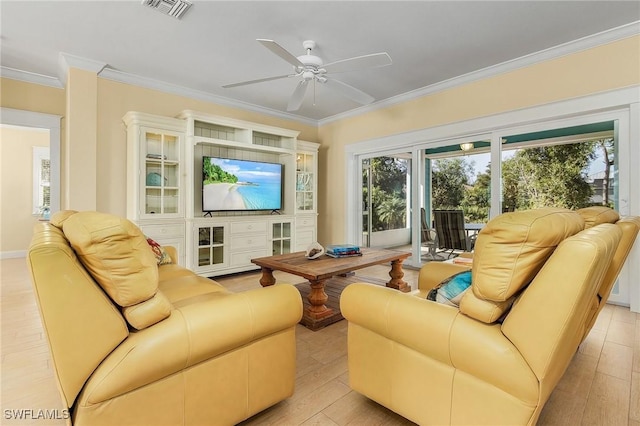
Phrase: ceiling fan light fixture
(467, 146)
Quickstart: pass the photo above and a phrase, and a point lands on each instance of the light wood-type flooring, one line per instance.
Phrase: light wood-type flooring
(600, 387)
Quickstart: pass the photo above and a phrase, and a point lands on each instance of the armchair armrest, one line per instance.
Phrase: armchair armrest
(440, 333)
(211, 325)
(433, 273)
(172, 252)
(419, 324)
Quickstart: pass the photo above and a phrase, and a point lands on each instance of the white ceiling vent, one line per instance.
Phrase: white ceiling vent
(175, 8)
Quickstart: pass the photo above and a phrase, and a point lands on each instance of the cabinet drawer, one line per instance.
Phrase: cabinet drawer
(305, 222)
(248, 242)
(163, 231)
(244, 258)
(248, 227)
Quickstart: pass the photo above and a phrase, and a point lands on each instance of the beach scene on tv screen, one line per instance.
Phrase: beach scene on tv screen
(240, 185)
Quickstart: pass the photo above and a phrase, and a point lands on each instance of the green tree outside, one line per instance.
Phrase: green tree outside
(534, 177)
(388, 193)
(449, 178)
(214, 174)
(548, 176)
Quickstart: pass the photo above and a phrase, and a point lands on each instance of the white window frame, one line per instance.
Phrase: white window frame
(40, 153)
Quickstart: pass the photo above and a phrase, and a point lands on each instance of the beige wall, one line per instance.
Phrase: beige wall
(31, 97)
(16, 185)
(80, 161)
(607, 67)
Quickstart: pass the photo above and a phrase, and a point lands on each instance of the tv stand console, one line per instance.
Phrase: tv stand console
(164, 189)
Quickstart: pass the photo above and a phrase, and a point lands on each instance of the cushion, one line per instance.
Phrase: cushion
(596, 215)
(58, 218)
(116, 254)
(510, 250)
(450, 291)
(149, 312)
(162, 257)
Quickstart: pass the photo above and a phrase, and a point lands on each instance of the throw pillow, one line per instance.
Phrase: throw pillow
(115, 253)
(450, 291)
(162, 257)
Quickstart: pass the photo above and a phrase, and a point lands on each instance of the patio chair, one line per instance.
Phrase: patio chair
(429, 238)
(451, 235)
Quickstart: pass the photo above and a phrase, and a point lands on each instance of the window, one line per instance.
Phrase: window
(572, 167)
(386, 182)
(41, 180)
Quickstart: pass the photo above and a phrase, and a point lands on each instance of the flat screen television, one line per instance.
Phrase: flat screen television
(240, 185)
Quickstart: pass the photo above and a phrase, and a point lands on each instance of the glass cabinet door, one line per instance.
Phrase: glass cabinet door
(210, 245)
(162, 173)
(305, 182)
(280, 238)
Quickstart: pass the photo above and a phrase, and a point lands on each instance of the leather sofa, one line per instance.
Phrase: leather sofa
(536, 280)
(137, 343)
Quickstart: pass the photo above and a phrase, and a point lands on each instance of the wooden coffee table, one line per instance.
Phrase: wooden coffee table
(318, 271)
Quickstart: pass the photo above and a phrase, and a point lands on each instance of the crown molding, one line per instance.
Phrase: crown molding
(122, 77)
(575, 46)
(30, 77)
(66, 61)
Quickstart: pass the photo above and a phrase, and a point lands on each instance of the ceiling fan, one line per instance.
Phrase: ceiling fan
(311, 68)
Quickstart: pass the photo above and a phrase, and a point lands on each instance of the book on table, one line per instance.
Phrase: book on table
(343, 250)
(343, 255)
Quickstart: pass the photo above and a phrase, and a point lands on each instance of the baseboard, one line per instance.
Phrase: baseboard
(12, 254)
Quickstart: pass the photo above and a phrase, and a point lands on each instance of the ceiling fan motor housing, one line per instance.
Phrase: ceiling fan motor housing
(311, 62)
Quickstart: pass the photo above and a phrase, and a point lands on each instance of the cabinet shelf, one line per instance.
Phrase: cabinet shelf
(165, 162)
(242, 145)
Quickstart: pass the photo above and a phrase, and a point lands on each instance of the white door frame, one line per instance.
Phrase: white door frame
(22, 118)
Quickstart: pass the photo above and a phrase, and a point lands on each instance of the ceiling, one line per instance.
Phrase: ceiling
(214, 43)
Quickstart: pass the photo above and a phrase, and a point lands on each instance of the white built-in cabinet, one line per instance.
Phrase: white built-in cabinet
(306, 194)
(155, 178)
(164, 189)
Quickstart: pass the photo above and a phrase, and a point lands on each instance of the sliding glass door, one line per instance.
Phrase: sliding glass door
(386, 200)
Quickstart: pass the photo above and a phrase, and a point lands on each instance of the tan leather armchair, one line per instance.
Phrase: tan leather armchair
(140, 344)
(496, 358)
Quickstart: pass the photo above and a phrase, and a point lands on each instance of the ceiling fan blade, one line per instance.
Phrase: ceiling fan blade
(298, 96)
(349, 91)
(260, 80)
(359, 62)
(281, 51)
